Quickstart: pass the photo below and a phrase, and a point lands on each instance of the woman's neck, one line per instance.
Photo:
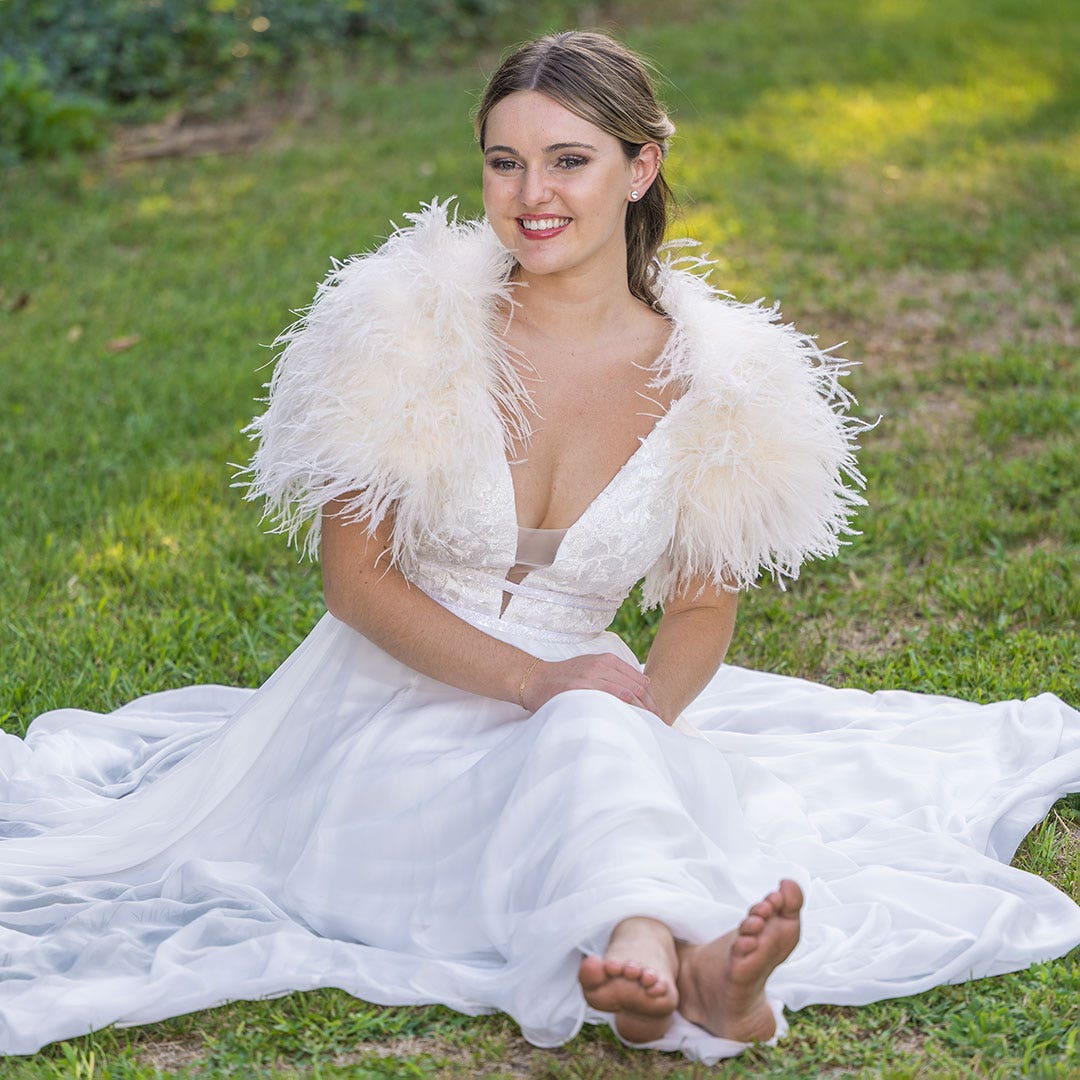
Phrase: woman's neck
(559, 305)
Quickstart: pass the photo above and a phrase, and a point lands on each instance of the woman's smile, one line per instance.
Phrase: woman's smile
(537, 227)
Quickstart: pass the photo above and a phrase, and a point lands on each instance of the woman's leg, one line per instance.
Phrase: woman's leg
(645, 974)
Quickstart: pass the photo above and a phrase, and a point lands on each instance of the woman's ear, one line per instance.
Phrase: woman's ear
(644, 168)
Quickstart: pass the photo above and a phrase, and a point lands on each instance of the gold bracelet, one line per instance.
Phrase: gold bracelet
(525, 679)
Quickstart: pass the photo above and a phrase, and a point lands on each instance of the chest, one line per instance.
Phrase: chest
(592, 413)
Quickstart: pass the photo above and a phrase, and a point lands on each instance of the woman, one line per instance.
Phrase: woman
(461, 788)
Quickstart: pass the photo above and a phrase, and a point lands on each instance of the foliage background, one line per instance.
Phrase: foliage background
(66, 65)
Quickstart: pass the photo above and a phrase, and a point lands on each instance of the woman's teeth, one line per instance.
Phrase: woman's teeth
(541, 224)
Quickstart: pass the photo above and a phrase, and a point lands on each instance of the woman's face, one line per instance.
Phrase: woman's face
(556, 187)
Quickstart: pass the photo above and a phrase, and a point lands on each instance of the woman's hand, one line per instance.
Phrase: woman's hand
(595, 671)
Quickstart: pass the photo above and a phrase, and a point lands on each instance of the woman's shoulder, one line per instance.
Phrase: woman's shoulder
(762, 463)
(384, 386)
(411, 271)
(726, 338)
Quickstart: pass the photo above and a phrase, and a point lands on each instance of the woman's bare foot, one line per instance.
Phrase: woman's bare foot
(721, 985)
(635, 979)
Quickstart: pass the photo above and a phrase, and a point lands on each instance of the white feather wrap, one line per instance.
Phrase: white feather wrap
(384, 390)
(762, 452)
(387, 386)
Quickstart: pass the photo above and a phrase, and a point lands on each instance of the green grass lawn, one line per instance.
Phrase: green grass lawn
(901, 175)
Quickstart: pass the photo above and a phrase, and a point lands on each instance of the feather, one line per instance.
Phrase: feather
(387, 382)
(763, 465)
(396, 380)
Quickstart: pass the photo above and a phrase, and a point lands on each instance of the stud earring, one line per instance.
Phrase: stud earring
(635, 195)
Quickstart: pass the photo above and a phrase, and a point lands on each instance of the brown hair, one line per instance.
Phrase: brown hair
(602, 81)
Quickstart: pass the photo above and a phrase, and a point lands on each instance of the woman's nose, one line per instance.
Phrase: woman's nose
(535, 187)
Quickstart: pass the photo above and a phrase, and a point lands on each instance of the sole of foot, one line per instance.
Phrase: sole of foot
(721, 985)
(635, 979)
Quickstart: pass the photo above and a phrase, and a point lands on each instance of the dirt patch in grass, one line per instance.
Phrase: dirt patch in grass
(910, 1042)
(1048, 545)
(511, 1055)
(166, 1055)
(909, 319)
(185, 134)
(900, 324)
(865, 639)
(409, 1046)
(883, 632)
(944, 415)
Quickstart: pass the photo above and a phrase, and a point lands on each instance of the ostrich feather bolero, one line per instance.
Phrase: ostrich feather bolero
(394, 386)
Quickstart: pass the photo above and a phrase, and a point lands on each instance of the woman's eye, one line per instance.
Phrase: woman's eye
(572, 161)
(502, 164)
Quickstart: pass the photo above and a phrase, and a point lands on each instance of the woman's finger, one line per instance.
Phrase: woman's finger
(650, 702)
(633, 695)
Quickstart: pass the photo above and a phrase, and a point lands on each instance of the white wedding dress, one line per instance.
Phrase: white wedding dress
(356, 824)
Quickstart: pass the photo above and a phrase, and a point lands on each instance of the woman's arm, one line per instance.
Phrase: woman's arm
(374, 598)
(690, 644)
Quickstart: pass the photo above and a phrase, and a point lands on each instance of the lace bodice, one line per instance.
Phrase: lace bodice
(594, 565)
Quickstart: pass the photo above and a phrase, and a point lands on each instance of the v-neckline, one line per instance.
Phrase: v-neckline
(655, 365)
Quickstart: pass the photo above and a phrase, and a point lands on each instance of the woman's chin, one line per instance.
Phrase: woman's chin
(538, 263)
(534, 257)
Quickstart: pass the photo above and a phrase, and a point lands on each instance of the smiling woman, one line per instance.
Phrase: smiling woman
(608, 112)
(558, 200)
(576, 188)
(462, 787)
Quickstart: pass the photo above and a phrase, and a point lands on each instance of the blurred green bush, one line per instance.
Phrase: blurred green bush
(58, 57)
(37, 122)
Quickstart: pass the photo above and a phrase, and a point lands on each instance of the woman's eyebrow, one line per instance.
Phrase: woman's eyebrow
(547, 149)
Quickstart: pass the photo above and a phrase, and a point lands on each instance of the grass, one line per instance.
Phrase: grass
(901, 175)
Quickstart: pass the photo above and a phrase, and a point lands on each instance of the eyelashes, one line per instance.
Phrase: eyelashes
(566, 162)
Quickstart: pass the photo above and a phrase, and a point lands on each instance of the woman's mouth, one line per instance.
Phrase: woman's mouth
(542, 228)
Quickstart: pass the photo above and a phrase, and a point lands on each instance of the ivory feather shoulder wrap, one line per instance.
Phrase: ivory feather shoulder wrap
(383, 392)
(387, 386)
(763, 469)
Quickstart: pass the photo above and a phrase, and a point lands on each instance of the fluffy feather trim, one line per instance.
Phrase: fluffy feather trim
(384, 386)
(395, 382)
(764, 449)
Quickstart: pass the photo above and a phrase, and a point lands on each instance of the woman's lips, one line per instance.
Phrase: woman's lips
(542, 228)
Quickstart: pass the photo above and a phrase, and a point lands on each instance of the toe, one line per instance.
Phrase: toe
(648, 977)
(591, 973)
(763, 909)
(752, 924)
(744, 945)
(613, 967)
(791, 897)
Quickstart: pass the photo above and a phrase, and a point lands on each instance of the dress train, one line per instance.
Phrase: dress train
(355, 824)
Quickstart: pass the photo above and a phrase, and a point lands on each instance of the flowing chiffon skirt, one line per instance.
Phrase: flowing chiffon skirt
(356, 824)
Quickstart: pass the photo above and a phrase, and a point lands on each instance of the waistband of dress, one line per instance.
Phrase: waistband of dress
(533, 592)
(483, 620)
